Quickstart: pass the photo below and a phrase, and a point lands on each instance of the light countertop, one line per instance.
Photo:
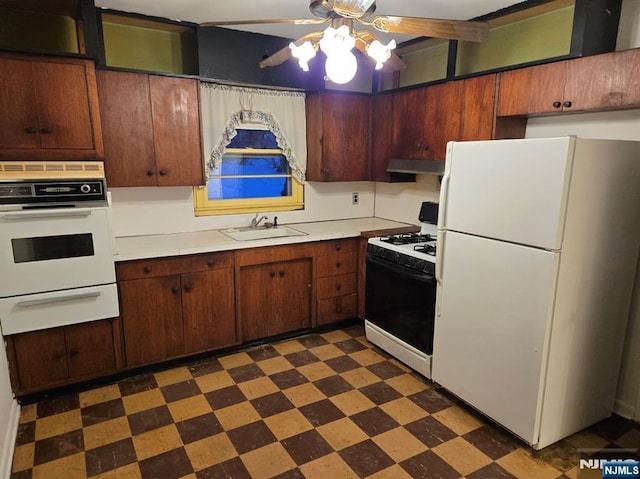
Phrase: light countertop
(175, 244)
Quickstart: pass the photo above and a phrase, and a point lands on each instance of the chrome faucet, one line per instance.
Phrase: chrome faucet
(256, 221)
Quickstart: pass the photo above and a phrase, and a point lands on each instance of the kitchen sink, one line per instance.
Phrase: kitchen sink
(248, 234)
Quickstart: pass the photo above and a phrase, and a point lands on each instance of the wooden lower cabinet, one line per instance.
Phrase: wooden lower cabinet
(55, 357)
(167, 315)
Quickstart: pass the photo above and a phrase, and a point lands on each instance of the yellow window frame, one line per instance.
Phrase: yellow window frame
(203, 206)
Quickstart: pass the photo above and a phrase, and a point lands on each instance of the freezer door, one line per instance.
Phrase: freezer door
(511, 190)
(495, 305)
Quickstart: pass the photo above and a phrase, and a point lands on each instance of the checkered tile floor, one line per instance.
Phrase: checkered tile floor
(319, 406)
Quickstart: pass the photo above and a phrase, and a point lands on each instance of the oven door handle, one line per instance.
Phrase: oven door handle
(30, 215)
(57, 299)
(424, 277)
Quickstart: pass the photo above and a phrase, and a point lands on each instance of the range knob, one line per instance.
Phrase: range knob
(85, 188)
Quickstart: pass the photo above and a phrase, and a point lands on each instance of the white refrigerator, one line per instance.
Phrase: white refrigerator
(537, 250)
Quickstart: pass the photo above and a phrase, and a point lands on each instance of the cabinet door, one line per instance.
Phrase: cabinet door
(208, 305)
(125, 107)
(294, 295)
(604, 82)
(381, 136)
(534, 90)
(478, 108)
(41, 358)
(19, 120)
(408, 123)
(90, 348)
(175, 110)
(151, 311)
(442, 118)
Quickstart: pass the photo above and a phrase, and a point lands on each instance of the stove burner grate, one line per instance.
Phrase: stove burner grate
(407, 238)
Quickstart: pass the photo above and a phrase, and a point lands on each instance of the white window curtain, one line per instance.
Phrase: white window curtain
(225, 108)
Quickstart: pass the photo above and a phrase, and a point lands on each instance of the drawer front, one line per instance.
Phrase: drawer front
(151, 268)
(336, 264)
(337, 309)
(337, 246)
(332, 286)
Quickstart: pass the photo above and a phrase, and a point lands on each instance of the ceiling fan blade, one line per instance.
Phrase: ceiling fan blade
(431, 27)
(284, 54)
(364, 38)
(300, 21)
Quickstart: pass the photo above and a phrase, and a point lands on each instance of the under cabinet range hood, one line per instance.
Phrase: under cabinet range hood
(416, 167)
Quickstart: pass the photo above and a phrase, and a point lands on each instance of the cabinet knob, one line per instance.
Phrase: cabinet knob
(557, 104)
(175, 289)
(46, 131)
(281, 273)
(338, 309)
(73, 351)
(211, 262)
(163, 172)
(58, 355)
(31, 130)
(338, 287)
(151, 172)
(338, 264)
(567, 104)
(147, 269)
(187, 287)
(338, 247)
(272, 274)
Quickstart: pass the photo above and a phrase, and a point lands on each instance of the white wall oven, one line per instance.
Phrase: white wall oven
(56, 246)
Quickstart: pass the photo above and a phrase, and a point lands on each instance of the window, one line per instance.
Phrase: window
(252, 176)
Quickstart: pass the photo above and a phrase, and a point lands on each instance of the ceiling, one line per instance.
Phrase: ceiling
(199, 11)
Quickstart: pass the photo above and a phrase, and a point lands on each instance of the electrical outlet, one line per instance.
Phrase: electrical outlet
(355, 198)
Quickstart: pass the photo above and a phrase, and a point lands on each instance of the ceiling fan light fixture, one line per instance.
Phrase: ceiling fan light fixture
(341, 67)
(303, 54)
(380, 52)
(336, 40)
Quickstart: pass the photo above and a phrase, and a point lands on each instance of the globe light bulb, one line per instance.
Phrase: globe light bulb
(341, 67)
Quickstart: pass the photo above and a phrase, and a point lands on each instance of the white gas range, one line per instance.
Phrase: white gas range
(401, 292)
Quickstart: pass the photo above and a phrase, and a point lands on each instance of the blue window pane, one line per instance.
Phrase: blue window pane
(234, 165)
(237, 188)
(262, 139)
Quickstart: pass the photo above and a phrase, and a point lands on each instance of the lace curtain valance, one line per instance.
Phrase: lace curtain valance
(225, 109)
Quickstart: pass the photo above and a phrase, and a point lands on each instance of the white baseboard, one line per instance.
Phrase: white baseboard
(8, 446)
(624, 409)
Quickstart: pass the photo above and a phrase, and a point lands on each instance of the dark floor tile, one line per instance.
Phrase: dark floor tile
(272, 404)
(181, 390)
(301, 358)
(491, 441)
(245, 373)
(374, 421)
(355, 331)
(427, 466)
(385, 370)
(57, 405)
(109, 457)
(292, 474)
(137, 384)
(492, 471)
(288, 379)
(198, 428)
(431, 400)
(342, 364)
(306, 446)
(56, 447)
(262, 353)
(26, 433)
(168, 465)
(561, 455)
(225, 397)
(26, 474)
(380, 393)
(251, 436)
(231, 469)
(144, 421)
(366, 458)
(202, 368)
(430, 431)
(333, 385)
(321, 412)
(349, 346)
(312, 341)
(102, 412)
(612, 428)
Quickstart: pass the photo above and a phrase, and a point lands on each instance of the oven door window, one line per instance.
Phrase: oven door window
(43, 248)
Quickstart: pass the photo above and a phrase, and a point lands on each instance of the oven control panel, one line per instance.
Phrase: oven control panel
(34, 192)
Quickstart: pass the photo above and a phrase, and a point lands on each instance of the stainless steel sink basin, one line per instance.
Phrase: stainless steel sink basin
(248, 234)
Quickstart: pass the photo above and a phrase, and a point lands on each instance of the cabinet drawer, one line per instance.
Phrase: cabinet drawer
(336, 264)
(337, 309)
(337, 246)
(151, 268)
(332, 286)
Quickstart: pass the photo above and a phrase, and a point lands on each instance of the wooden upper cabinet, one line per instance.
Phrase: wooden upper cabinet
(337, 137)
(151, 129)
(443, 118)
(409, 107)
(50, 109)
(478, 108)
(381, 136)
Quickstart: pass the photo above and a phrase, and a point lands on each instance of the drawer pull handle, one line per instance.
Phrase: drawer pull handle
(31, 130)
(338, 287)
(163, 172)
(567, 104)
(57, 299)
(211, 262)
(557, 104)
(338, 264)
(175, 289)
(151, 172)
(281, 273)
(147, 269)
(338, 247)
(272, 274)
(187, 287)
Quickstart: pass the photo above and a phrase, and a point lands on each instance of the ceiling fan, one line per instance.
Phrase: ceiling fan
(338, 40)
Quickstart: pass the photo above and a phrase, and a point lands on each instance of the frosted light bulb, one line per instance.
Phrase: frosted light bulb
(303, 53)
(341, 67)
(379, 52)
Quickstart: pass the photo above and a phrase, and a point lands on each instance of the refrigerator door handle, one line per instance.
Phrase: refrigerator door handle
(444, 188)
(439, 256)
